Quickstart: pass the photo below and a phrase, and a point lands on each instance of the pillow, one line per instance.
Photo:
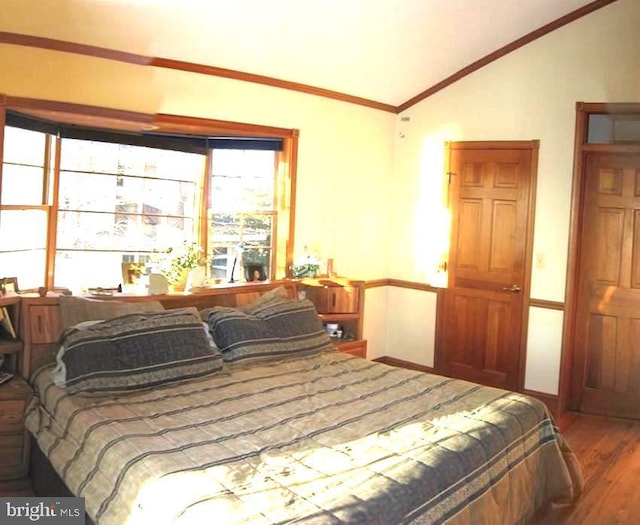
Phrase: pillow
(75, 310)
(134, 352)
(277, 294)
(276, 329)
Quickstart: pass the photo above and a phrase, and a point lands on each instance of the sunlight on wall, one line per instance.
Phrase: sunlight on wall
(433, 219)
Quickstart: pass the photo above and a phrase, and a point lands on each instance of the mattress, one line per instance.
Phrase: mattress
(328, 438)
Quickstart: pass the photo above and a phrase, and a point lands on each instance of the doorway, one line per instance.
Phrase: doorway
(491, 198)
(603, 339)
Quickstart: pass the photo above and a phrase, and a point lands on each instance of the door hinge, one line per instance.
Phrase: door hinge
(450, 174)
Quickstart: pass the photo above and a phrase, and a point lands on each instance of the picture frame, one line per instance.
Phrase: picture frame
(9, 285)
(6, 324)
(131, 272)
(255, 272)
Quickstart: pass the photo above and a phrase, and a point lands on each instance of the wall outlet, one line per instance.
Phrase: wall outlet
(541, 261)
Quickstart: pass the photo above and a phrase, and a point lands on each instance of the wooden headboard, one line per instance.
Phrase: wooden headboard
(40, 325)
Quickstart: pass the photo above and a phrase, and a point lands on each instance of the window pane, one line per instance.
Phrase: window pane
(613, 129)
(257, 231)
(221, 261)
(239, 163)
(600, 129)
(21, 184)
(118, 203)
(82, 270)
(122, 231)
(252, 232)
(627, 129)
(82, 191)
(256, 263)
(224, 229)
(23, 237)
(246, 193)
(22, 146)
(28, 266)
(101, 192)
(242, 180)
(122, 159)
(242, 213)
(23, 167)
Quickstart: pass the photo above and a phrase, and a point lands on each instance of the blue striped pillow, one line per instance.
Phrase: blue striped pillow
(135, 351)
(274, 329)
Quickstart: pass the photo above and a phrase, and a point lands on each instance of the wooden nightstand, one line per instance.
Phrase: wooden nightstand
(339, 301)
(356, 347)
(14, 396)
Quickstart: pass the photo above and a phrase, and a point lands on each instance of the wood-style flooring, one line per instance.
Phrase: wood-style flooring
(609, 453)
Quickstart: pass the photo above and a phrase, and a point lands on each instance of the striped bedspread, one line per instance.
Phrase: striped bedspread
(323, 439)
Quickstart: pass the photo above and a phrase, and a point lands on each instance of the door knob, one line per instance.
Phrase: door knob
(514, 288)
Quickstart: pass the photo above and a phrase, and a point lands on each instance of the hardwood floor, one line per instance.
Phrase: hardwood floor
(609, 453)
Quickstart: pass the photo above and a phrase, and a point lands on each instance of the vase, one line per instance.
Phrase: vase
(180, 284)
(196, 278)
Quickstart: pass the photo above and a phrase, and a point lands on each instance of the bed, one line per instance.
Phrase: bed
(281, 428)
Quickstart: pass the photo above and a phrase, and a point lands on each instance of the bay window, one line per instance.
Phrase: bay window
(76, 203)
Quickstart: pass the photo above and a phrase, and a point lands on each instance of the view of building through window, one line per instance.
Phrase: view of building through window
(117, 203)
(241, 213)
(110, 203)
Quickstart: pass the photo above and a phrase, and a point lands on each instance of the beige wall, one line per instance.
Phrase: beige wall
(369, 182)
(529, 94)
(345, 151)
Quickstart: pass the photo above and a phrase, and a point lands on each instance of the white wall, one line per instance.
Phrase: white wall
(397, 323)
(543, 350)
(529, 94)
(375, 321)
(410, 326)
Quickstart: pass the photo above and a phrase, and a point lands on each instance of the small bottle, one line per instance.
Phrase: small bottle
(330, 270)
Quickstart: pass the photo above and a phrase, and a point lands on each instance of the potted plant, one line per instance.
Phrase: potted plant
(175, 263)
(306, 266)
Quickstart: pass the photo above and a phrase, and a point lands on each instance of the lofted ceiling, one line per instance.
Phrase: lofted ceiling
(388, 51)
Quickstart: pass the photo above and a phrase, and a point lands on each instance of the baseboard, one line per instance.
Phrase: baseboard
(550, 400)
(392, 361)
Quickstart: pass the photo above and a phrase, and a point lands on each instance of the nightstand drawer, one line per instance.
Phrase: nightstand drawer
(11, 416)
(357, 347)
(44, 324)
(333, 299)
(14, 397)
(11, 450)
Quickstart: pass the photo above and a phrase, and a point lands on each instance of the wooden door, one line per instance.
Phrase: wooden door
(491, 201)
(606, 378)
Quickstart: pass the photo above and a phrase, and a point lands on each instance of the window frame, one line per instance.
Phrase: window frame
(127, 121)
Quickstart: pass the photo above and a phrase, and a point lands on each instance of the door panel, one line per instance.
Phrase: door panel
(490, 199)
(485, 319)
(502, 233)
(468, 244)
(607, 364)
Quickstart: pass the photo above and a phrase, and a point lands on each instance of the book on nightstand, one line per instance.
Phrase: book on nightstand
(5, 376)
(7, 324)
